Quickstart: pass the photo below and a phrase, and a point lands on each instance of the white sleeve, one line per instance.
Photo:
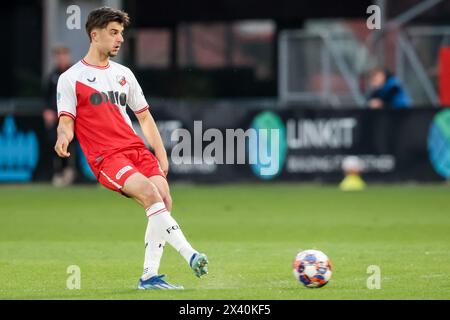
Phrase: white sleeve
(136, 99)
(66, 99)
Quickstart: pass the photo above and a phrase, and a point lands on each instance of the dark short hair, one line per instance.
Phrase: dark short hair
(99, 18)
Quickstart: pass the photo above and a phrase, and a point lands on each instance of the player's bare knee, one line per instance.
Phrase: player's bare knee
(149, 194)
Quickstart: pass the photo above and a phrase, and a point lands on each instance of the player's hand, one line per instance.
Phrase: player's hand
(164, 164)
(61, 147)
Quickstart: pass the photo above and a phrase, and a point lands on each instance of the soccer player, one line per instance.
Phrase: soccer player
(92, 97)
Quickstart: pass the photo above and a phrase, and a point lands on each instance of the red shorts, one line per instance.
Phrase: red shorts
(114, 170)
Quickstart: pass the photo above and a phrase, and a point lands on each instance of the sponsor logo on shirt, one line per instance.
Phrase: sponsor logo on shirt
(114, 97)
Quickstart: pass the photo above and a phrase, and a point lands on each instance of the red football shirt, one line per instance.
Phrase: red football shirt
(97, 98)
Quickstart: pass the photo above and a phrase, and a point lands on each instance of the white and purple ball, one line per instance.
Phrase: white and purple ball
(312, 268)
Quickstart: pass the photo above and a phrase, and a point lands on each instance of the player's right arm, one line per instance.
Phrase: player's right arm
(65, 136)
(67, 110)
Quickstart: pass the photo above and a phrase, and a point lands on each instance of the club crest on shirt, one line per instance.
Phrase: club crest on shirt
(121, 80)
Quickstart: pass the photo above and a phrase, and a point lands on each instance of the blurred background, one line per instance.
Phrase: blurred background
(358, 90)
(337, 80)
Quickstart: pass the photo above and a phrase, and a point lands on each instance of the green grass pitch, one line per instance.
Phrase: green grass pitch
(251, 233)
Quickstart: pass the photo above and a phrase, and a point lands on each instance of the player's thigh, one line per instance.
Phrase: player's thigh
(141, 189)
(115, 171)
(148, 165)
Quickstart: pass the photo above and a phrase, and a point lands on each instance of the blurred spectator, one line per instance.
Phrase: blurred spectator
(63, 168)
(386, 91)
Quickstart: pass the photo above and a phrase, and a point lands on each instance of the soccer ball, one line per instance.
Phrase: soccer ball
(312, 268)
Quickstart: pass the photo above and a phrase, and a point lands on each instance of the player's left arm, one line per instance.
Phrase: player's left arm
(151, 134)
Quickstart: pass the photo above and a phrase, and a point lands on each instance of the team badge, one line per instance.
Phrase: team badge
(121, 80)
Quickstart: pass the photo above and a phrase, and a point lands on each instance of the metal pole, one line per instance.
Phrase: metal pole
(346, 73)
(421, 74)
(410, 14)
(282, 69)
(381, 45)
(326, 66)
(49, 36)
